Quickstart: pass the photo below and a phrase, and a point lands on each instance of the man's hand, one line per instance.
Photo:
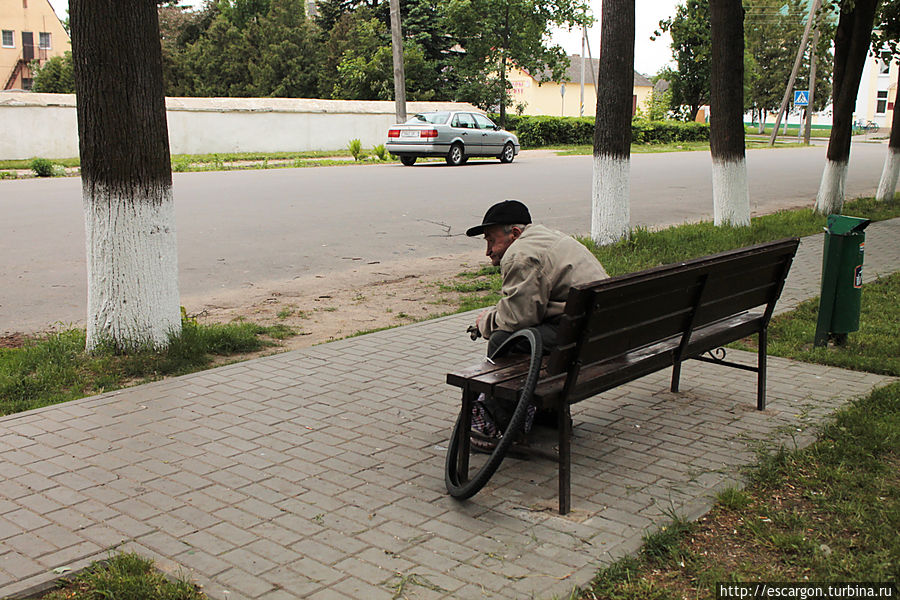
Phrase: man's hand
(473, 332)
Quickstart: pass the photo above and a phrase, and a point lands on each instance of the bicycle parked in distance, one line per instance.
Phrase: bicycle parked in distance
(865, 127)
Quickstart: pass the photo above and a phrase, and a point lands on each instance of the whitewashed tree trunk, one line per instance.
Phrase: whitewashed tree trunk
(731, 195)
(830, 198)
(126, 175)
(851, 46)
(132, 266)
(610, 183)
(887, 187)
(762, 121)
(611, 189)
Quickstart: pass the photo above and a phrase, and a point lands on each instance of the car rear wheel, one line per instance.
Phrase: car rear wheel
(408, 161)
(508, 154)
(457, 155)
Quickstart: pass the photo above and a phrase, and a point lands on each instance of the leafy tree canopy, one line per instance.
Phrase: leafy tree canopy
(691, 48)
(55, 76)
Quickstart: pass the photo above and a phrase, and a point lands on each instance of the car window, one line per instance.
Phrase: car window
(483, 122)
(464, 120)
(435, 118)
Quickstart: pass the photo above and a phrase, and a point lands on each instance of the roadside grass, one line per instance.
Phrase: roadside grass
(585, 149)
(55, 368)
(792, 131)
(827, 513)
(124, 576)
(234, 161)
(647, 248)
(229, 161)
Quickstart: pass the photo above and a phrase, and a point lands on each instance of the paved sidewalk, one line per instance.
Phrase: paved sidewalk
(318, 473)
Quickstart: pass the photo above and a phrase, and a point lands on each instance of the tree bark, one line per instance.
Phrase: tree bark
(126, 175)
(851, 45)
(887, 187)
(610, 217)
(731, 196)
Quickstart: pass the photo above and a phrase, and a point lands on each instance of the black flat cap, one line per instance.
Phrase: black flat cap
(508, 212)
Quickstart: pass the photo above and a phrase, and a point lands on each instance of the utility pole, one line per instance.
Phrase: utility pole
(790, 86)
(399, 75)
(807, 132)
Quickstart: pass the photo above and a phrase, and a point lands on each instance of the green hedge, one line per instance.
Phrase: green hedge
(535, 132)
(665, 132)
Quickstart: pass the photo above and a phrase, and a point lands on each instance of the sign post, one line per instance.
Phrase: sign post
(801, 98)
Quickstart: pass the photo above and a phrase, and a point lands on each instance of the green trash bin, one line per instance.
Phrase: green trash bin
(842, 263)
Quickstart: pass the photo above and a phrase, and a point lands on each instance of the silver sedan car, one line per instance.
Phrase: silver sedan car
(455, 135)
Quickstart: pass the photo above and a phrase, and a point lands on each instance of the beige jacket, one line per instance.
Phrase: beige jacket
(538, 269)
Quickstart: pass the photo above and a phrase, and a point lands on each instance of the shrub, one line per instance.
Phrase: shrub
(380, 152)
(512, 120)
(355, 147)
(8, 175)
(41, 167)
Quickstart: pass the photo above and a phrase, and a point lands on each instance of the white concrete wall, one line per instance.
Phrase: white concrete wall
(46, 125)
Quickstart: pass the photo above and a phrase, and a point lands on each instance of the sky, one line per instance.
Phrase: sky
(649, 57)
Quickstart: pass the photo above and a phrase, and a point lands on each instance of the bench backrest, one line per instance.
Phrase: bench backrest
(612, 317)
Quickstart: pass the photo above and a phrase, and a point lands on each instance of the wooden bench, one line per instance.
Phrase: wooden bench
(619, 329)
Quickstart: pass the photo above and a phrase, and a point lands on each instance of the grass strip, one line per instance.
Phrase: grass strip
(55, 368)
(124, 576)
(646, 248)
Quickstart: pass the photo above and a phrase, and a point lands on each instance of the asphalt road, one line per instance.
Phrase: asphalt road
(242, 228)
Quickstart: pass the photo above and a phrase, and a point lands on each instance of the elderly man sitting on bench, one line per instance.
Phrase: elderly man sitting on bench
(538, 266)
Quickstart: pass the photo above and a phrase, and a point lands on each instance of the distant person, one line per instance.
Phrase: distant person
(539, 266)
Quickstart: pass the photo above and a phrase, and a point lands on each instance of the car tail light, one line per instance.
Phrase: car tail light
(426, 133)
(393, 133)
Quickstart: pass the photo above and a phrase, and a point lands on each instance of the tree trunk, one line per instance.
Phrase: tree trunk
(887, 187)
(763, 113)
(610, 218)
(851, 45)
(126, 175)
(731, 196)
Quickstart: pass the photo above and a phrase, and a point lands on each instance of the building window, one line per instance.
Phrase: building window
(44, 40)
(884, 63)
(9, 41)
(881, 102)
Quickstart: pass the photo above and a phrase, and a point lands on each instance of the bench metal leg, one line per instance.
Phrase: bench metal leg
(465, 427)
(676, 375)
(761, 370)
(564, 427)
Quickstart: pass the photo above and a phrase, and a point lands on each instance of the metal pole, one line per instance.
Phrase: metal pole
(399, 75)
(581, 105)
(790, 86)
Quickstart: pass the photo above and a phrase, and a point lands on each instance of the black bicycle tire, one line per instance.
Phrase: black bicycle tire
(463, 491)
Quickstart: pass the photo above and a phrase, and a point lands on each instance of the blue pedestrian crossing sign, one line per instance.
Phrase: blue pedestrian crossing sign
(801, 98)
